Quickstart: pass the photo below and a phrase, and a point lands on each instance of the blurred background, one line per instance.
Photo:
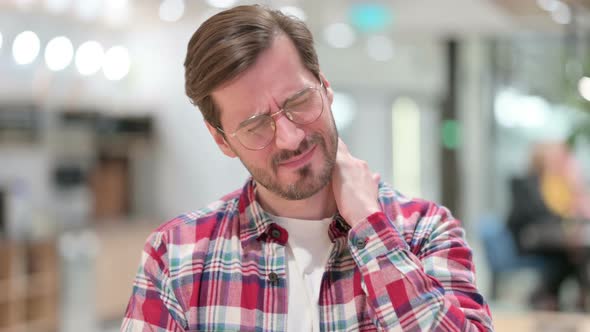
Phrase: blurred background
(481, 105)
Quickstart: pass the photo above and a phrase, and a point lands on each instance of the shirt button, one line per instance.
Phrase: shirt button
(275, 233)
(273, 277)
(361, 243)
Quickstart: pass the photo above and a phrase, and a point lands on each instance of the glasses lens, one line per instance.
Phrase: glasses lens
(305, 107)
(256, 132)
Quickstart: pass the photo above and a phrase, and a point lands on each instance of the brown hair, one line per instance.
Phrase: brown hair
(229, 42)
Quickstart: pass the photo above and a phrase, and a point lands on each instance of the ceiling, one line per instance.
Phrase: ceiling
(418, 17)
(524, 8)
(416, 23)
(529, 15)
(428, 17)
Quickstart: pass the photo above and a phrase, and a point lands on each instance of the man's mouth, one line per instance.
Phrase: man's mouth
(298, 160)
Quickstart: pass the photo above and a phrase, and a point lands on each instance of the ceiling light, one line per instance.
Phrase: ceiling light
(221, 3)
(548, 5)
(89, 58)
(116, 11)
(59, 53)
(370, 17)
(26, 47)
(57, 6)
(339, 35)
(562, 14)
(171, 10)
(88, 10)
(116, 63)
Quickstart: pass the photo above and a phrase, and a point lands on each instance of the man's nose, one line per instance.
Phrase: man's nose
(288, 135)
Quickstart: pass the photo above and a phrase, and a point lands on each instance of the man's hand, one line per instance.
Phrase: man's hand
(355, 186)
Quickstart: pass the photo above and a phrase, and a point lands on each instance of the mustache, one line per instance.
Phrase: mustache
(303, 147)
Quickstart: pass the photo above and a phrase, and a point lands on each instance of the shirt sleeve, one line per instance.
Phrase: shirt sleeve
(424, 284)
(153, 305)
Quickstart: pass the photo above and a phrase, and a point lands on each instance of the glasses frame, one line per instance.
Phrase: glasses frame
(273, 115)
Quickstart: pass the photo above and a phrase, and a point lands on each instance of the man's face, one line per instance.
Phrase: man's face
(298, 161)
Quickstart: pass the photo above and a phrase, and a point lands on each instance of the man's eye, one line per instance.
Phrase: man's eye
(298, 105)
(253, 127)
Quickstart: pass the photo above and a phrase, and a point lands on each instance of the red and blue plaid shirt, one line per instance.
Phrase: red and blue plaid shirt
(223, 268)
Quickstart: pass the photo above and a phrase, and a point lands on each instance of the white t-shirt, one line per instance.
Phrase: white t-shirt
(308, 250)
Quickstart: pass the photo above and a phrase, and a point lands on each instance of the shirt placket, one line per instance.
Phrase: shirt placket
(275, 278)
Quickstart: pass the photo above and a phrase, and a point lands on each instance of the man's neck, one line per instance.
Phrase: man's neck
(319, 206)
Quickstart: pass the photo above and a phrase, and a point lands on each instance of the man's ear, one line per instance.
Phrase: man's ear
(220, 140)
(327, 85)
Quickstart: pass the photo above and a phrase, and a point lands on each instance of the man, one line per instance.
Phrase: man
(313, 241)
(550, 194)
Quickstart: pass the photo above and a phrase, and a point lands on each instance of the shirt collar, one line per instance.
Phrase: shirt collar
(255, 223)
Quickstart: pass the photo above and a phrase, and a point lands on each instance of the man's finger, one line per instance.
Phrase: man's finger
(377, 177)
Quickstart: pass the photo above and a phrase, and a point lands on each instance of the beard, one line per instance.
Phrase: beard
(309, 181)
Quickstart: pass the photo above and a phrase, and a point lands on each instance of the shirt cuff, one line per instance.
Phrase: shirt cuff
(374, 237)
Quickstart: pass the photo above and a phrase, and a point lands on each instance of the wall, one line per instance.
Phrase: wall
(189, 169)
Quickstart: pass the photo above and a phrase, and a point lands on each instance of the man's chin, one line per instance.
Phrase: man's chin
(296, 185)
(297, 194)
(301, 190)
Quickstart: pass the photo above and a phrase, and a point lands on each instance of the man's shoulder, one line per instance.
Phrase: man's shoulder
(410, 208)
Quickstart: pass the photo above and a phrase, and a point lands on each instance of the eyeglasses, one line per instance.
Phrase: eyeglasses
(304, 107)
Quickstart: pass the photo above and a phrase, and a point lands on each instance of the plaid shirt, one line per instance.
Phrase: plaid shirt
(223, 268)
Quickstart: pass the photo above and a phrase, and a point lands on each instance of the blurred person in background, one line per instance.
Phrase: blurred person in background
(551, 194)
(313, 241)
